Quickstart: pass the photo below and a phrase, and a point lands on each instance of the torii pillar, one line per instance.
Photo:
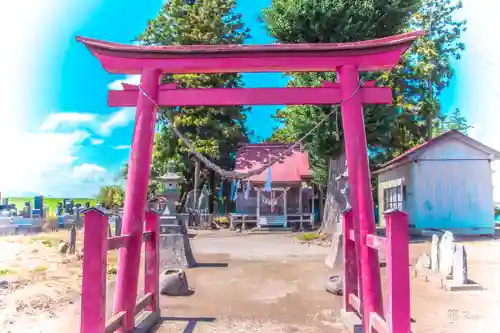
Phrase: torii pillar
(360, 190)
(136, 197)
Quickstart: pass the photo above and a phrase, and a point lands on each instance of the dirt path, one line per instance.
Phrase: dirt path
(273, 284)
(250, 283)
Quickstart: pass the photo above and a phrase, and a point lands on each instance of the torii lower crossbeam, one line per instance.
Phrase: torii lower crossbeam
(170, 95)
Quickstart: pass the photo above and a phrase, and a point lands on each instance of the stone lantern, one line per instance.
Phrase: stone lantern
(173, 229)
(170, 189)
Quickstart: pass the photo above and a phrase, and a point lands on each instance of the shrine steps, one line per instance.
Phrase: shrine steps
(280, 229)
(271, 229)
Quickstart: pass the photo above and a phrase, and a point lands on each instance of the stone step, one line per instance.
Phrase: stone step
(170, 229)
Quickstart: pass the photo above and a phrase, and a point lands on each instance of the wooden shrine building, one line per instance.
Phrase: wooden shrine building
(288, 203)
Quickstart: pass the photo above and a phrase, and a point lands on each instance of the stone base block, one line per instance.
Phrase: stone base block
(469, 286)
(146, 321)
(175, 251)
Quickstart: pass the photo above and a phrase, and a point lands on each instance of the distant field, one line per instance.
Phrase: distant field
(51, 202)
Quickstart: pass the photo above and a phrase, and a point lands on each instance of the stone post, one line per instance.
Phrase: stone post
(435, 253)
(460, 265)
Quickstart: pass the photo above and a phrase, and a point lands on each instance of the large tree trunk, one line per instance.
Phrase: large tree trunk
(227, 193)
(335, 203)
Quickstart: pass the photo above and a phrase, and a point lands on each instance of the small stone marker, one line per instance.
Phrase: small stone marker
(423, 264)
(460, 281)
(446, 251)
(460, 265)
(72, 239)
(435, 253)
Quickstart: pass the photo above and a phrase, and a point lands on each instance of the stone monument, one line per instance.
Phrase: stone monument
(447, 264)
(435, 253)
(460, 265)
(446, 251)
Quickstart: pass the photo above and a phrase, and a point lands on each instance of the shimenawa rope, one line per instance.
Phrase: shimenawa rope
(230, 174)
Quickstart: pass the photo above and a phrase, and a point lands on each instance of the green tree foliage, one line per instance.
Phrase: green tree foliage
(390, 129)
(111, 196)
(425, 71)
(216, 132)
(303, 21)
(282, 135)
(453, 121)
(337, 21)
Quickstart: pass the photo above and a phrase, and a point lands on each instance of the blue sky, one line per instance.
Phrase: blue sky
(65, 140)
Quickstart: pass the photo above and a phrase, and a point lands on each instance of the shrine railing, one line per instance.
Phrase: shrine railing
(395, 243)
(96, 244)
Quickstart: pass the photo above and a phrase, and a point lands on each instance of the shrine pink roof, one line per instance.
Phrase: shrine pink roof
(374, 54)
(292, 170)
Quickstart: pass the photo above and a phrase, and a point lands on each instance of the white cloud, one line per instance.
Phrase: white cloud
(96, 142)
(89, 172)
(120, 118)
(122, 147)
(39, 161)
(48, 163)
(73, 119)
(130, 79)
(103, 124)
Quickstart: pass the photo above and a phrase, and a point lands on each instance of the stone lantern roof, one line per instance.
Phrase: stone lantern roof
(171, 175)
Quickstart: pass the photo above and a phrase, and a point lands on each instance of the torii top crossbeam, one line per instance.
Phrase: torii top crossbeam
(371, 55)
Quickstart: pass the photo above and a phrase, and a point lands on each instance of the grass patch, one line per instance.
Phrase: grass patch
(222, 220)
(52, 239)
(51, 202)
(40, 269)
(5, 272)
(48, 242)
(308, 236)
(113, 262)
(112, 270)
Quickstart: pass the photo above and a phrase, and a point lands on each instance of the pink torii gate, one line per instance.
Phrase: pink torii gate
(362, 280)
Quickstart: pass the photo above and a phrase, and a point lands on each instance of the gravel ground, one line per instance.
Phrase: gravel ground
(246, 283)
(271, 284)
(274, 284)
